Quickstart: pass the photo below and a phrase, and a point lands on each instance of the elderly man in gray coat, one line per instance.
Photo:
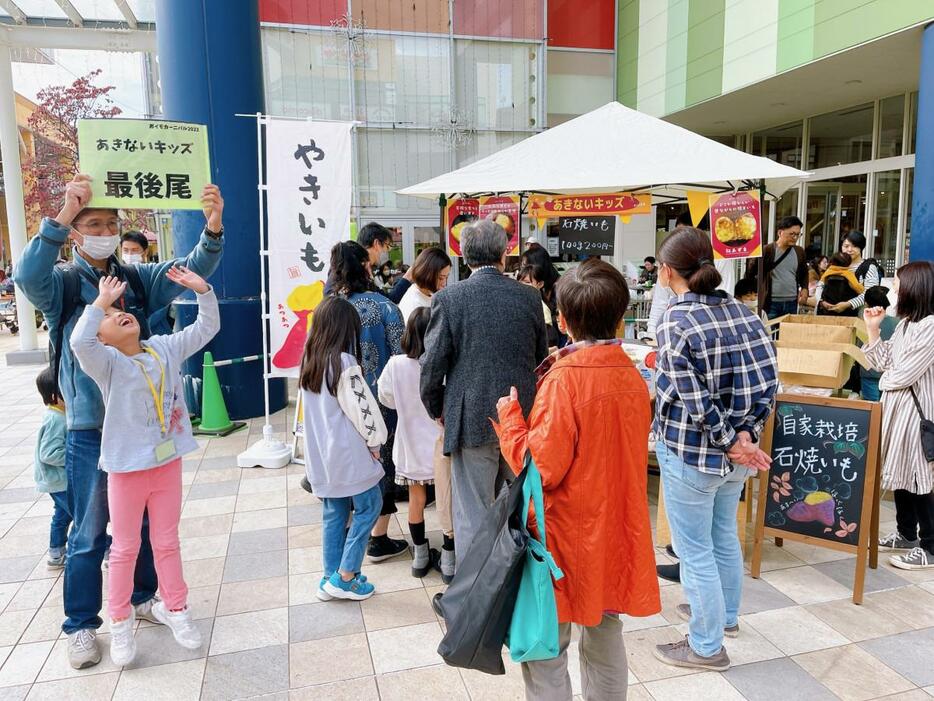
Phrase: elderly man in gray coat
(486, 335)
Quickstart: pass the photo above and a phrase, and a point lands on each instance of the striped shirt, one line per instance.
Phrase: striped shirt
(906, 360)
(717, 375)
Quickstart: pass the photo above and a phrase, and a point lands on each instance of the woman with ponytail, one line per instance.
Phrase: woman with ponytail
(716, 379)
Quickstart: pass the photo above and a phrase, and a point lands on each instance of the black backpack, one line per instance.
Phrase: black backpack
(72, 302)
(863, 269)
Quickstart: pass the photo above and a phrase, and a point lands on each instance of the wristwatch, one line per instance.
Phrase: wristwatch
(214, 234)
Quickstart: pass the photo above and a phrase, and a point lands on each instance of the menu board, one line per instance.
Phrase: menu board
(821, 487)
(591, 236)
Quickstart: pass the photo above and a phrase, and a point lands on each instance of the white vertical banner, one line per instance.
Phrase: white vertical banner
(308, 196)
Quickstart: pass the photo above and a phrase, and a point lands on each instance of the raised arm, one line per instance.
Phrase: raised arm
(203, 259)
(194, 337)
(35, 272)
(95, 358)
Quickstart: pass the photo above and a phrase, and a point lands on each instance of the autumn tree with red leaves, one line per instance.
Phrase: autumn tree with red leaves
(54, 124)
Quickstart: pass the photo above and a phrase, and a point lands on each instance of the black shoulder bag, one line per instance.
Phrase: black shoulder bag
(927, 429)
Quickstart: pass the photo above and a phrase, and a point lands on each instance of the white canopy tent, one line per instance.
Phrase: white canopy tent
(613, 149)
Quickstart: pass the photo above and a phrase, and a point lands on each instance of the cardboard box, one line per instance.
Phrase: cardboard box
(818, 351)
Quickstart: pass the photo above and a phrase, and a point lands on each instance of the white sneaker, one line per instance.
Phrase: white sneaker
(122, 641)
(143, 611)
(82, 648)
(183, 628)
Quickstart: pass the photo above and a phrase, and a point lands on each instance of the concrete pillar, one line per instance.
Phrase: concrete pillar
(210, 66)
(922, 205)
(15, 213)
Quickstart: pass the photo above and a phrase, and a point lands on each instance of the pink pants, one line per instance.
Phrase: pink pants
(159, 490)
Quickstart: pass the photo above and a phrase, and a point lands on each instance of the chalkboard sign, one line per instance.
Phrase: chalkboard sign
(592, 236)
(822, 483)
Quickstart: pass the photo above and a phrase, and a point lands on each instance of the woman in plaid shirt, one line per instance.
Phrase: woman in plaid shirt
(716, 379)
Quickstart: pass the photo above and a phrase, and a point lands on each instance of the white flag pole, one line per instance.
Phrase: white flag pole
(269, 452)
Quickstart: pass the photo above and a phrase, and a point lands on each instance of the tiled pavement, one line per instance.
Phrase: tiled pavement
(251, 544)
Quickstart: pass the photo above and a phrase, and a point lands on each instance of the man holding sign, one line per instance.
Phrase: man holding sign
(61, 292)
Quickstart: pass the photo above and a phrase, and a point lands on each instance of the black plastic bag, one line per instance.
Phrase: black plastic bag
(477, 606)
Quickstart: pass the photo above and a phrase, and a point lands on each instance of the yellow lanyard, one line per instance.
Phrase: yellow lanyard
(157, 398)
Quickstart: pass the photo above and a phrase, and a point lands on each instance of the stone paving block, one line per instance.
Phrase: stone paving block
(247, 673)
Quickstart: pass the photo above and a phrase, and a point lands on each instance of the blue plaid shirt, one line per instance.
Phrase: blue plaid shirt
(716, 375)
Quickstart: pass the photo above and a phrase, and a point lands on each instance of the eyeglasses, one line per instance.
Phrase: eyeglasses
(99, 227)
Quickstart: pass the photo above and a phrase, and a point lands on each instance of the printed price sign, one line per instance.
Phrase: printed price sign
(144, 164)
(592, 236)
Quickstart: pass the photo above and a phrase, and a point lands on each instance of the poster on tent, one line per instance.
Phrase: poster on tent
(623, 204)
(144, 163)
(736, 225)
(308, 193)
(503, 209)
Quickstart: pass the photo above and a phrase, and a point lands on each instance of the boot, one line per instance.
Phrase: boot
(424, 559)
(448, 561)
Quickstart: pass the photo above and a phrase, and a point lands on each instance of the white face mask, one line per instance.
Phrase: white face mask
(100, 247)
(383, 257)
(752, 304)
(131, 258)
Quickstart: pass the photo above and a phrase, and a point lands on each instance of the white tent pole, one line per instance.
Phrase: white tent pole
(13, 191)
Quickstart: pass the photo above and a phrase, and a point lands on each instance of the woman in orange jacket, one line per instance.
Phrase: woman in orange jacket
(588, 434)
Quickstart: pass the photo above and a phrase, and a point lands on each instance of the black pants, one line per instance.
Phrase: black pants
(914, 515)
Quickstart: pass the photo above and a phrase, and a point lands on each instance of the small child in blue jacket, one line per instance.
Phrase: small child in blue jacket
(49, 467)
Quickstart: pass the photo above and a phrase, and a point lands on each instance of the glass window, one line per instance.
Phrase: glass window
(834, 207)
(428, 237)
(578, 82)
(508, 19)
(428, 16)
(98, 9)
(391, 159)
(885, 233)
(404, 79)
(781, 144)
(485, 143)
(912, 120)
(144, 10)
(40, 8)
(305, 74)
(891, 126)
(841, 137)
(497, 84)
(786, 206)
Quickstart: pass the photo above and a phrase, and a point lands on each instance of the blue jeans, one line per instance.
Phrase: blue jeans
(87, 501)
(61, 519)
(701, 511)
(344, 549)
(869, 388)
(780, 308)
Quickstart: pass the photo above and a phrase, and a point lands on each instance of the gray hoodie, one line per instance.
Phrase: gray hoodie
(339, 434)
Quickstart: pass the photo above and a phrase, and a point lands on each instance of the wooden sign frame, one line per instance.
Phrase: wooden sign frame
(868, 544)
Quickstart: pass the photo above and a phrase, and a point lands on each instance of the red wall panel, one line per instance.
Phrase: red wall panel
(582, 25)
(505, 19)
(316, 12)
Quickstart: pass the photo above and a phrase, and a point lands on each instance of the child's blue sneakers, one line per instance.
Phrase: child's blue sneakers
(357, 589)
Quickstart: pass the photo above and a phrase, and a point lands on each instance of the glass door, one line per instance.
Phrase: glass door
(821, 218)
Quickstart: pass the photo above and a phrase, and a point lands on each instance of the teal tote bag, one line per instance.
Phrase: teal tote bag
(533, 632)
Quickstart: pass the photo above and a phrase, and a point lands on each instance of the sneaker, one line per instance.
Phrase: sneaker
(357, 589)
(82, 649)
(670, 572)
(380, 549)
(684, 611)
(670, 549)
(915, 559)
(144, 611)
(306, 485)
(183, 628)
(895, 541)
(56, 558)
(321, 593)
(680, 654)
(425, 559)
(448, 563)
(122, 641)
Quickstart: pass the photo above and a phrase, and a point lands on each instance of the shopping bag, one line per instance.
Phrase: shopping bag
(533, 632)
(477, 606)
